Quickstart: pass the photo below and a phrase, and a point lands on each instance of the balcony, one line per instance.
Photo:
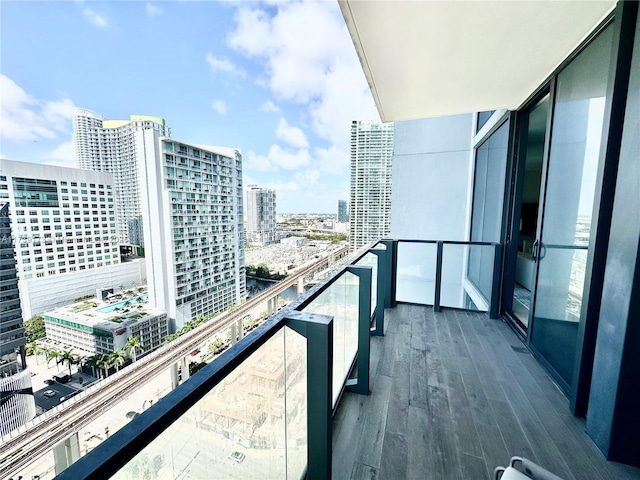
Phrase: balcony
(337, 385)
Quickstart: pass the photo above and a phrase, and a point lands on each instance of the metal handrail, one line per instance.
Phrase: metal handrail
(130, 440)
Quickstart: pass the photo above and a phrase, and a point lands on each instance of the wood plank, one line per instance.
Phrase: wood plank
(398, 409)
(394, 456)
(495, 451)
(464, 427)
(443, 445)
(347, 433)
(369, 449)
(514, 437)
(420, 337)
(362, 471)
(473, 467)
(417, 378)
(419, 461)
(544, 447)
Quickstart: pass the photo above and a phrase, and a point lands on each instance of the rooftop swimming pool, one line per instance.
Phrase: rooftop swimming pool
(132, 301)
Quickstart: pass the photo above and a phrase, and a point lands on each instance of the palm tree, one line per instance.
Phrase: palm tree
(92, 362)
(104, 364)
(68, 357)
(116, 359)
(51, 354)
(133, 344)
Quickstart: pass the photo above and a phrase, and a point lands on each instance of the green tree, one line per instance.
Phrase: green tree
(103, 363)
(68, 357)
(34, 328)
(133, 345)
(117, 358)
(216, 345)
(92, 363)
(51, 354)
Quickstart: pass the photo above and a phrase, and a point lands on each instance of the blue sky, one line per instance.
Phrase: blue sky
(279, 80)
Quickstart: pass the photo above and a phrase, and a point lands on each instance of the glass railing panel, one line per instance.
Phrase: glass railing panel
(237, 430)
(416, 272)
(467, 276)
(340, 301)
(295, 376)
(371, 260)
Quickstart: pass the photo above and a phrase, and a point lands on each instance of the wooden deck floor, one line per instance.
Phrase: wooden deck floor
(453, 395)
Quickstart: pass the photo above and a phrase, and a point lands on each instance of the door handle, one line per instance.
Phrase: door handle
(534, 250)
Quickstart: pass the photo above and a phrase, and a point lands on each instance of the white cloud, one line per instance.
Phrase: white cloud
(310, 63)
(223, 65)
(219, 106)
(278, 158)
(269, 107)
(293, 136)
(26, 118)
(64, 155)
(96, 19)
(152, 10)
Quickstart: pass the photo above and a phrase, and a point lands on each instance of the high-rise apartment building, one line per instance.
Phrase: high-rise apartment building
(63, 219)
(192, 214)
(343, 211)
(108, 146)
(371, 160)
(17, 405)
(261, 215)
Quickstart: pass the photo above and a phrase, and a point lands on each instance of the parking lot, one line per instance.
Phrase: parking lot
(47, 403)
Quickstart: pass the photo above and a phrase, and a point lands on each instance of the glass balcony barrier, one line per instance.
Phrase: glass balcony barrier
(454, 274)
(264, 407)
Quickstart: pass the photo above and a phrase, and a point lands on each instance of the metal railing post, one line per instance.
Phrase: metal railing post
(390, 259)
(381, 289)
(438, 286)
(494, 306)
(360, 384)
(318, 330)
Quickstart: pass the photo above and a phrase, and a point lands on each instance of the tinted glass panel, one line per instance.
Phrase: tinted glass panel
(569, 196)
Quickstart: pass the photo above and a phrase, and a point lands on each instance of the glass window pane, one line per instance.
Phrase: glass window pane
(569, 196)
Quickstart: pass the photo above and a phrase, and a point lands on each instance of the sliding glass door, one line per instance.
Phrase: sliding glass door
(569, 189)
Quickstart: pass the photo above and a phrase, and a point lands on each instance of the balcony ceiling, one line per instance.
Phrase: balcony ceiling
(432, 58)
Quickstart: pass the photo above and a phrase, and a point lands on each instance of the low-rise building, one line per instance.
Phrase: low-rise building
(94, 327)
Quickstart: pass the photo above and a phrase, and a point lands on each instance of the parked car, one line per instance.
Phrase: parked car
(49, 393)
(237, 457)
(48, 381)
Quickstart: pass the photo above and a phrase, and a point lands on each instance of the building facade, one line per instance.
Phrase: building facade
(94, 327)
(261, 216)
(63, 220)
(343, 212)
(192, 213)
(371, 162)
(108, 146)
(17, 406)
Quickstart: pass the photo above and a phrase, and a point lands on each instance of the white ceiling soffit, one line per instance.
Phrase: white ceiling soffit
(432, 58)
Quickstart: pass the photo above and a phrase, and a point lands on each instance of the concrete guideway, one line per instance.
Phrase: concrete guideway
(42, 434)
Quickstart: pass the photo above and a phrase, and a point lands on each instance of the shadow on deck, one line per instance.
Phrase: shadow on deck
(453, 395)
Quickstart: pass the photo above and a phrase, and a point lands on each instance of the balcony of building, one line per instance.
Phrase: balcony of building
(336, 385)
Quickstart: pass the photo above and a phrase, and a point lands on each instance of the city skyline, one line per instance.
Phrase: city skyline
(234, 88)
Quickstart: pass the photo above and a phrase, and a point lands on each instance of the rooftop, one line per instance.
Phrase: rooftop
(119, 310)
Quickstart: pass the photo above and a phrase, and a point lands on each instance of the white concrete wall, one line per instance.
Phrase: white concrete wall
(431, 200)
(43, 294)
(431, 178)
